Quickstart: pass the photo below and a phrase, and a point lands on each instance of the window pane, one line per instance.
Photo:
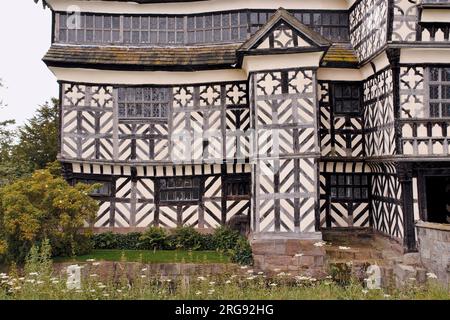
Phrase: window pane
(434, 92)
(434, 74)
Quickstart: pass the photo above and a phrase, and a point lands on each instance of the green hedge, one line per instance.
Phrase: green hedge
(186, 238)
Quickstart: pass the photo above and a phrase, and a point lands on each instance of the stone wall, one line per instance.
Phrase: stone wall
(434, 249)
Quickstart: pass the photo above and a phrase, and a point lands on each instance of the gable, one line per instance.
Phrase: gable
(284, 31)
(283, 37)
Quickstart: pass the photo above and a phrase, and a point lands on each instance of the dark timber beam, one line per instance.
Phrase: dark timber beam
(405, 176)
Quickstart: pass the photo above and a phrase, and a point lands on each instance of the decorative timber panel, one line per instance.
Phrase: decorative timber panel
(210, 123)
(368, 27)
(285, 179)
(386, 204)
(87, 122)
(341, 136)
(379, 115)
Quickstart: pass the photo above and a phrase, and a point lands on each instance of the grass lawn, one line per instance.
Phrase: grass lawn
(147, 256)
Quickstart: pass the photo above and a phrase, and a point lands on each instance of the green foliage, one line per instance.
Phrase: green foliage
(153, 238)
(225, 239)
(30, 147)
(242, 252)
(39, 260)
(38, 138)
(45, 206)
(186, 238)
(128, 240)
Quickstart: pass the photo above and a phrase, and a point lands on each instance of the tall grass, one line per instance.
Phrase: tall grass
(38, 281)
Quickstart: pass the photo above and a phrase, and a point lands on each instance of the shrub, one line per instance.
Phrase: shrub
(45, 206)
(242, 252)
(107, 240)
(225, 239)
(153, 238)
(186, 238)
(128, 241)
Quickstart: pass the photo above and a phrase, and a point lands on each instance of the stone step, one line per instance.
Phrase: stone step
(358, 253)
(348, 236)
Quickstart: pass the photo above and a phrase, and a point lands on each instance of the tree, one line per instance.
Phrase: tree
(38, 138)
(9, 168)
(44, 206)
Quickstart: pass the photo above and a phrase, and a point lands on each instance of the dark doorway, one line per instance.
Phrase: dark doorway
(438, 199)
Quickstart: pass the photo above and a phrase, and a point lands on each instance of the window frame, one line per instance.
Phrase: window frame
(334, 99)
(349, 185)
(439, 83)
(91, 181)
(163, 105)
(235, 180)
(248, 22)
(162, 190)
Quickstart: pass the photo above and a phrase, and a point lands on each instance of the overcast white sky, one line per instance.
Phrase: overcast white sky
(25, 35)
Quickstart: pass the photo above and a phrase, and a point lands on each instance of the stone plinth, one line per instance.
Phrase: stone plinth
(300, 255)
(434, 248)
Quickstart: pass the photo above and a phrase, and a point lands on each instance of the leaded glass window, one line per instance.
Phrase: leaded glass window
(352, 187)
(180, 189)
(347, 98)
(439, 79)
(143, 102)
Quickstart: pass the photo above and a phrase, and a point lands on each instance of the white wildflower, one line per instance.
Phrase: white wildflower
(39, 282)
(251, 278)
(328, 277)
(260, 273)
(198, 293)
(106, 295)
(92, 290)
(212, 283)
(344, 248)
(387, 295)
(319, 244)
(30, 281)
(228, 282)
(210, 292)
(33, 274)
(273, 284)
(144, 269)
(201, 278)
(143, 276)
(244, 267)
(365, 291)
(431, 275)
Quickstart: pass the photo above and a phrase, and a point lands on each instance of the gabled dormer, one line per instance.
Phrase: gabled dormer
(283, 32)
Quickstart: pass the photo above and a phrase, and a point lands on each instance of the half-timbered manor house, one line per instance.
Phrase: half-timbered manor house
(295, 116)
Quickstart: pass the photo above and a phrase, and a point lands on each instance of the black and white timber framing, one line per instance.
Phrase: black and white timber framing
(315, 116)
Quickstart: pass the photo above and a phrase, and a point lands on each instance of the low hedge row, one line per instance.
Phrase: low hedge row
(184, 238)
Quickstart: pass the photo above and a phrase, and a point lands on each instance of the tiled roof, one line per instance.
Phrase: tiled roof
(182, 58)
(173, 58)
(341, 54)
